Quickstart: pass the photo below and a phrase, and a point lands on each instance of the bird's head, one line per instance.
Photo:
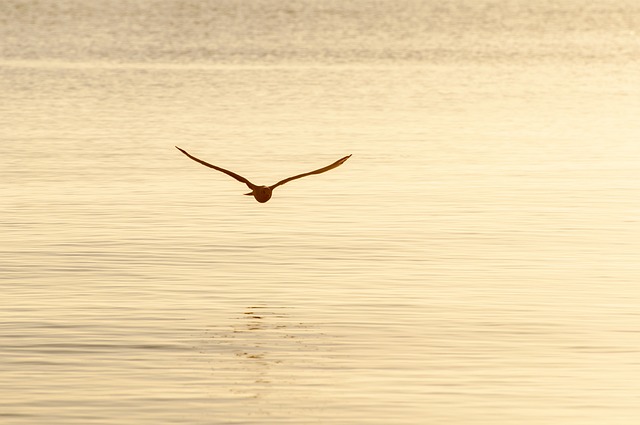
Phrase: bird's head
(261, 193)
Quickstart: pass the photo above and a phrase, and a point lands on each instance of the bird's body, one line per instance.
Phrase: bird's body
(263, 193)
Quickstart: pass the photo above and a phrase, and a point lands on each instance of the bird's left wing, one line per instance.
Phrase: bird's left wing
(230, 173)
(318, 171)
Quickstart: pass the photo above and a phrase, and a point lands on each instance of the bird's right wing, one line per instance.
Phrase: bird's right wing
(230, 173)
(318, 171)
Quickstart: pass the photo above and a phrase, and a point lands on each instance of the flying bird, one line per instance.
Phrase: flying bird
(263, 193)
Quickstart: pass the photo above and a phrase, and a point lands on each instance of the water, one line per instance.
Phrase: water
(474, 262)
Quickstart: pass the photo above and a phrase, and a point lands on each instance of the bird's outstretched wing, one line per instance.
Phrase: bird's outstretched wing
(318, 171)
(231, 173)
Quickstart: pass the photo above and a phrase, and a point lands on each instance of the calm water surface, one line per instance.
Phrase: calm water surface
(474, 262)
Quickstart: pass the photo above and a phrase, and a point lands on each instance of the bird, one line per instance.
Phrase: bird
(263, 193)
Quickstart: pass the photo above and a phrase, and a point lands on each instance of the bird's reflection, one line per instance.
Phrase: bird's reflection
(264, 359)
(255, 357)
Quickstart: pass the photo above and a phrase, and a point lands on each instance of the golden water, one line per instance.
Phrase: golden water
(474, 262)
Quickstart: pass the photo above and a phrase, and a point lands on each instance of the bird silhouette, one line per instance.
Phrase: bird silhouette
(263, 193)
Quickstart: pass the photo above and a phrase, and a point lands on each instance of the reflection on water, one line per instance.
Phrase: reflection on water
(260, 353)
